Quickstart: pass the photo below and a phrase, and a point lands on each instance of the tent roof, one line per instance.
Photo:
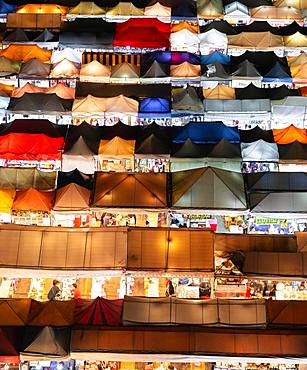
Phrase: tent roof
(64, 68)
(59, 89)
(14, 312)
(213, 37)
(155, 71)
(80, 147)
(216, 71)
(45, 36)
(223, 149)
(256, 133)
(125, 70)
(24, 178)
(33, 200)
(117, 148)
(34, 67)
(219, 25)
(8, 66)
(297, 60)
(25, 53)
(90, 104)
(184, 37)
(72, 197)
(278, 202)
(276, 182)
(130, 190)
(17, 35)
(186, 98)
(48, 342)
(153, 145)
(158, 10)
(273, 12)
(6, 202)
(86, 8)
(278, 73)
(55, 313)
(293, 151)
(191, 26)
(189, 150)
(220, 91)
(255, 40)
(246, 69)
(298, 4)
(40, 102)
(121, 104)
(6, 8)
(259, 150)
(42, 9)
(224, 189)
(216, 56)
(7, 347)
(185, 69)
(289, 135)
(295, 40)
(68, 53)
(76, 177)
(125, 9)
(184, 9)
(210, 9)
(154, 105)
(95, 69)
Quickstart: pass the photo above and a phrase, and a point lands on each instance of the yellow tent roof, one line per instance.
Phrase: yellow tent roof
(210, 9)
(90, 104)
(158, 10)
(299, 72)
(94, 70)
(42, 9)
(6, 200)
(272, 12)
(296, 61)
(65, 68)
(299, 4)
(295, 40)
(25, 53)
(86, 8)
(220, 91)
(117, 148)
(185, 69)
(255, 40)
(125, 9)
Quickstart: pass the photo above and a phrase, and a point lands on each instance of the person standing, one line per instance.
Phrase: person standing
(54, 292)
(76, 291)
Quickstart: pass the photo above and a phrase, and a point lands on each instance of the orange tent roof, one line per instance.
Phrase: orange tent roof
(185, 70)
(60, 90)
(6, 90)
(191, 26)
(289, 135)
(33, 200)
(42, 9)
(299, 72)
(117, 148)
(296, 61)
(303, 91)
(72, 197)
(220, 91)
(25, 53)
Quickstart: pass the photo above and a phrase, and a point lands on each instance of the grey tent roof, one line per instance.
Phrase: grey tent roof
(46, 344)
(18, 35)
(80, 148)
(279, 202)
(237, 105)
(224, 149)
(259, 150)
(34, 67)
(40, 102)
(186, 99)
(45, 36)
(155, 71)
(248, 70)
(215, 71)
(209, 188)
(125, 70)
(189, 150)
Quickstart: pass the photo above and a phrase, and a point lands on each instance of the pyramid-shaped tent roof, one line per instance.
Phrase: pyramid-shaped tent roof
(94, 71)
(6, 201)
(88, 8)
(125, 9)
(14, 312)
(45, 36)
(185, 70)
(210, 9)
(89, 104)
(33, 200)
(153, 145)
(24, 178)
(220, 91)
(125, 70)
(64, 68)
(25, 53)
(52, 313)
(259, 150)
(117, 148)
(17, 35)
(246, 69)
(224, 189)
(42, 9)
(122, 104)
(72, 197)
(34, 68)
(290, 134)
(187, 99)
(157, 10)
(277, 74)
(155, 71)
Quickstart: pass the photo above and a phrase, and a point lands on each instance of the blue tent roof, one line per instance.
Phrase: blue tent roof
(216, 56)
(154, 105)
(207, 133)
(6, 8)
(277, 74)
(171, 57)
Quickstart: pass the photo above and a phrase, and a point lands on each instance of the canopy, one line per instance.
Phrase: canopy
(220, 91)
(24, 178)
(75, 176)
(210, 9)
(259, 150)
(299, 74)
(33, 200)
(8, 67)
(142, 33)
(184, 39)
(187, 99)
(95, 71)
(213, 39)
(155, 71)
(86, 8)
(46, 343)
(153, 145)
(42, 9)
(17, 35)
(298, 4)
(14, 312)
(216, 72)
(290, 109)
(289, 135)
(277, 74)
(25, 53)
(294, 61)
(154, 105)
(285, 313)
(185, 70)
(276, 181)
(207, 133)
(224, 189)
(117, 148)
(181, 25)
(276, 13)
(45, 36)
(122, 104)
(246, 70)
(24, 146)
(184, 9)
(9, 343)
(130, 190)
(255, 40)
(256, 133)
(293, 151)
(216, 56)
(34, 68)
(125, 9)
(296, 40)
(64, 68)
(72, 55)
(79, 156)
(59, 89)
(6, 8)
(72, 197)
(125, 71)
(157, 10)
(52, 313)
(89, 105)
(99, 311)
(40, 102)
(6, 200)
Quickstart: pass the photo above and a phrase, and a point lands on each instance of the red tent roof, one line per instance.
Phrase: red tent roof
(142, 33)
(22, 146)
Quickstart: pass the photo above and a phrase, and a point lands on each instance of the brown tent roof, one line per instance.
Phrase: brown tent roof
(298, 4)
(52, 313)
(94, 71)
(295, 40)
(286, 313)
(14, 312)
(220, 91)
(86, 8)
(272, 12)
(130, 190)
(72, 197)
(117, 148)
(255, 40)
(185, 70)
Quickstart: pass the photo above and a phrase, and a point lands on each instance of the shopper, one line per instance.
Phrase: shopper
(76, 291)
(170, 290)
(54, 292)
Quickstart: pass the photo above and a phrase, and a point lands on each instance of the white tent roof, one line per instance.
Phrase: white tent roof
(68, 53)
(79, 156)
(213, 38)
(259, 150)
(184, 38)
